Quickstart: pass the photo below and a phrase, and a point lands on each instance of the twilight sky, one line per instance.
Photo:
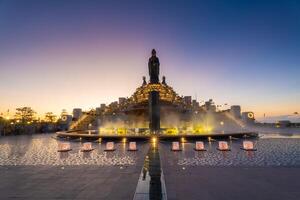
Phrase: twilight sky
(66, 54)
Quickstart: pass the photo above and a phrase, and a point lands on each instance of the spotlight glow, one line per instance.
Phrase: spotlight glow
(154, 139)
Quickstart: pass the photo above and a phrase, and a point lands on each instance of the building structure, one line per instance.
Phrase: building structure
(77, 112)
(235, 111)
(248, 117)
(153, 107)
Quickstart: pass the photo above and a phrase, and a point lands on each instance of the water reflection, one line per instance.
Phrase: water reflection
(155, 174)
(145, 168)
(270, 152)
(250, 154)
(151, 183)
(225, 154)
(42, 150)
(86, 155)
(64, 155)
(278, 135)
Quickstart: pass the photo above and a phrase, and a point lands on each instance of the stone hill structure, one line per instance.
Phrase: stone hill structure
(156, 108)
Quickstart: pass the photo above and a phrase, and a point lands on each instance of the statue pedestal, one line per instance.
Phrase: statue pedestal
(154, 112)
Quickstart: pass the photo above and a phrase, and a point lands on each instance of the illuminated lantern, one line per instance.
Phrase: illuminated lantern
(132, 146)
(223, 146)
(87, 146)
(199, 146)
(64, 147)
(248, 146)
(64, 118)
(250, 115)
(110, 146)
(175, 146)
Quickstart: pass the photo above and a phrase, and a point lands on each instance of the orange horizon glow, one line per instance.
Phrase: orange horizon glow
(79, 55)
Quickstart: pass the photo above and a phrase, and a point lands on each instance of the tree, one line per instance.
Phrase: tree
(25, 114)
(50, 117)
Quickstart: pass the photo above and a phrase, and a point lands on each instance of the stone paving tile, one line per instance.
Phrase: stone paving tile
(71, 182)
(227, 183)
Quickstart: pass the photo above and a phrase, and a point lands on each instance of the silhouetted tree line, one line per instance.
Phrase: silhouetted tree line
(25, 122)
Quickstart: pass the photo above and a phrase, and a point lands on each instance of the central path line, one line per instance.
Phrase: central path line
(151, 183)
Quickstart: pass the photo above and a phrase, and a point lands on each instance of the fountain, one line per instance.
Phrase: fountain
(155, 109)
(132, 146)
(110, 146)
(200, 146)
(248, 146)
(64, 147)
(175, 146)
(86, 147)
(223, 146)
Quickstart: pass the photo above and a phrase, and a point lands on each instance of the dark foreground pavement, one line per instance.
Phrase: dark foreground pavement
(72, 182)
(227, 183)
(189, 182)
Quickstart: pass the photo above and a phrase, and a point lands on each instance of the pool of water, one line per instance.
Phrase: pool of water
(270, 152)
(42, 150)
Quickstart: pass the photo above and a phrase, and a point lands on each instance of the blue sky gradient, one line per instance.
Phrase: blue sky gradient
(65, 54)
